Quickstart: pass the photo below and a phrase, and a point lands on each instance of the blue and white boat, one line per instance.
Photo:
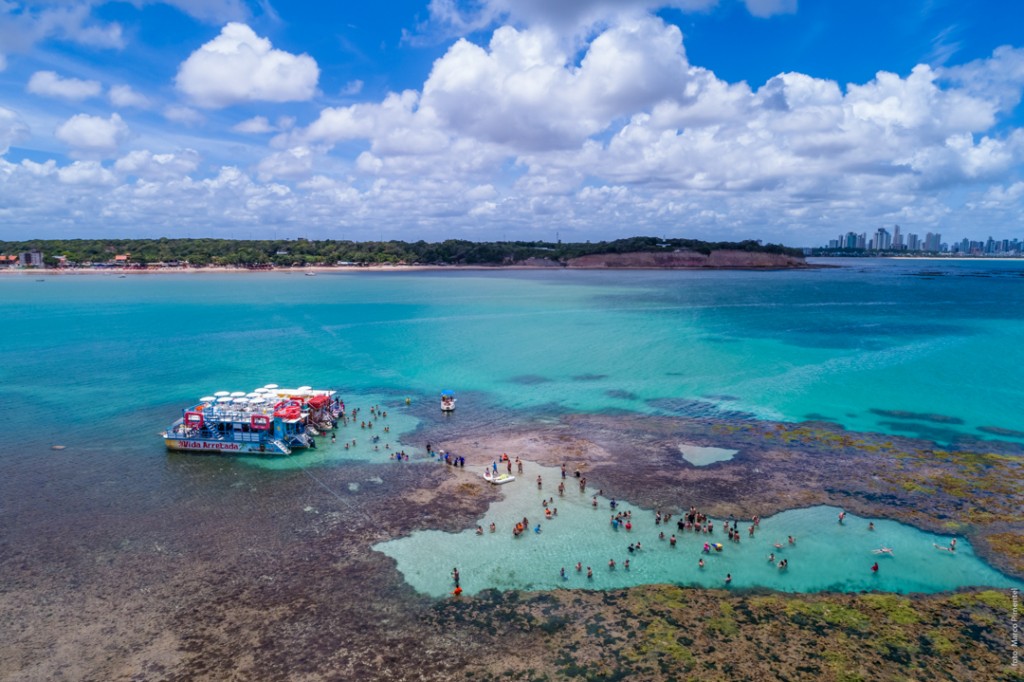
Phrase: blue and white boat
(447, 401)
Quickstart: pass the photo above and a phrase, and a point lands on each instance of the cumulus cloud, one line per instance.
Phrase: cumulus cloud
(293, 163)
(125, 96)
(254, 125)
(239, 66)
(143, 163)
(49, 84)
(184, 115)
(68, 21)
(86, 173)
(93, 135)
(12, 129)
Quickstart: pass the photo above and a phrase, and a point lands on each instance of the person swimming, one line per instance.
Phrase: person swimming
(579, 566)
(874, 567)
(611, 564)
(700, 563)
(882, 550)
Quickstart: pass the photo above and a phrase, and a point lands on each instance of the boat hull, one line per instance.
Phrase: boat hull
(223, 447)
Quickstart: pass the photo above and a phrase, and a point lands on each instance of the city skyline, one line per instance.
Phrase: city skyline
(434, 119)
(883, 240)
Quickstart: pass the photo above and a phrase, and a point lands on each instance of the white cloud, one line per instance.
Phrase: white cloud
(293, 163)
(352, 88)
(254, 125)
(211, 11)
(239, 66)
(12, 129)
(93, 135)
(125, 96)
(143, 163)
(767, 8)
(49, 84)
(41, 170)
(184, 115)
(85, 173)
(67, 21)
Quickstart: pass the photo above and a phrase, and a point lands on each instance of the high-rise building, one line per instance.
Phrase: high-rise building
(851, 240)
(862, 240)
(897, 238)
(933, 242)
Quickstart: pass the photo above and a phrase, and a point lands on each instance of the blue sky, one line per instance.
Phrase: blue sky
(784, 120)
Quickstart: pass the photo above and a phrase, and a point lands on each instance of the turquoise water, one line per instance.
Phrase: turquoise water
(883, 335)
(102, 364)
(826, 555)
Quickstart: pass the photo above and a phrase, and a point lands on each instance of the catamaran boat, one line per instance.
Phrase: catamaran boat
(268, 421)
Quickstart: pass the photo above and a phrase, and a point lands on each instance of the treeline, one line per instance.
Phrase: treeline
(301, 252)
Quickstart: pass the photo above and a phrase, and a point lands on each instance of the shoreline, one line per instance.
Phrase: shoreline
(347, 269)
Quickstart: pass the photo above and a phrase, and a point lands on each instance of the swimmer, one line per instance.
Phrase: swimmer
(627, 564)
(590, 572)
(537, 528)
(579, 566)
(882, 550)
(672, 541)
(493, 527)
(728, 578)
(638, 546)
(630, 549)
(611, 564)
(792, 540)
(771, 558)
(457, 591)
(562, 573)
(701, 563)
(661, 536)
(538, 482)
(594, 502)
(842, 516)
(479, 530)
(952, 545)
(944, 549)
(874, 567)
(871, 525)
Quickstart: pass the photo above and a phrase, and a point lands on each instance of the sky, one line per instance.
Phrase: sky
(788, 121)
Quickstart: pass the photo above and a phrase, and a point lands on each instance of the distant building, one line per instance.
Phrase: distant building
(8, 261)
(31, 259)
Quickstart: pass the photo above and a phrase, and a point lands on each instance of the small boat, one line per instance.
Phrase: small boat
(310, 274)
(447, 401)
(498, 479)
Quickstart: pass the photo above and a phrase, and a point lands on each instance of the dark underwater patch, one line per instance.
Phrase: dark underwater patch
(529, 380)
(589, 377)
(619, 393)
(999, 431)
(917, 416)
(688, 407)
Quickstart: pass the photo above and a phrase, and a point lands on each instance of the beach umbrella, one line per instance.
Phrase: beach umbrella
(261, 390)
(221, 394)
(238, 394)
(270, 387)
(224, 399)
(207, 399)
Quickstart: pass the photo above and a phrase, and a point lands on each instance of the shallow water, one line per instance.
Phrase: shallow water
(103, 364)
(826, 556)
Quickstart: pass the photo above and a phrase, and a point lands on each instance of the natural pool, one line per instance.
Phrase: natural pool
(827, 555)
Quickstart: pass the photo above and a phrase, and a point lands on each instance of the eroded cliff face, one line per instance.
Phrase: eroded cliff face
(688, 260)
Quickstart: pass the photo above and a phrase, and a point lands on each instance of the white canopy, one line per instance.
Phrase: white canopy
(270, 387)
(207, 399)
(221, 394)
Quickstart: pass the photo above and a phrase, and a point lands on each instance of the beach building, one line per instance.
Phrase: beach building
(31, 259)
(8, 261)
